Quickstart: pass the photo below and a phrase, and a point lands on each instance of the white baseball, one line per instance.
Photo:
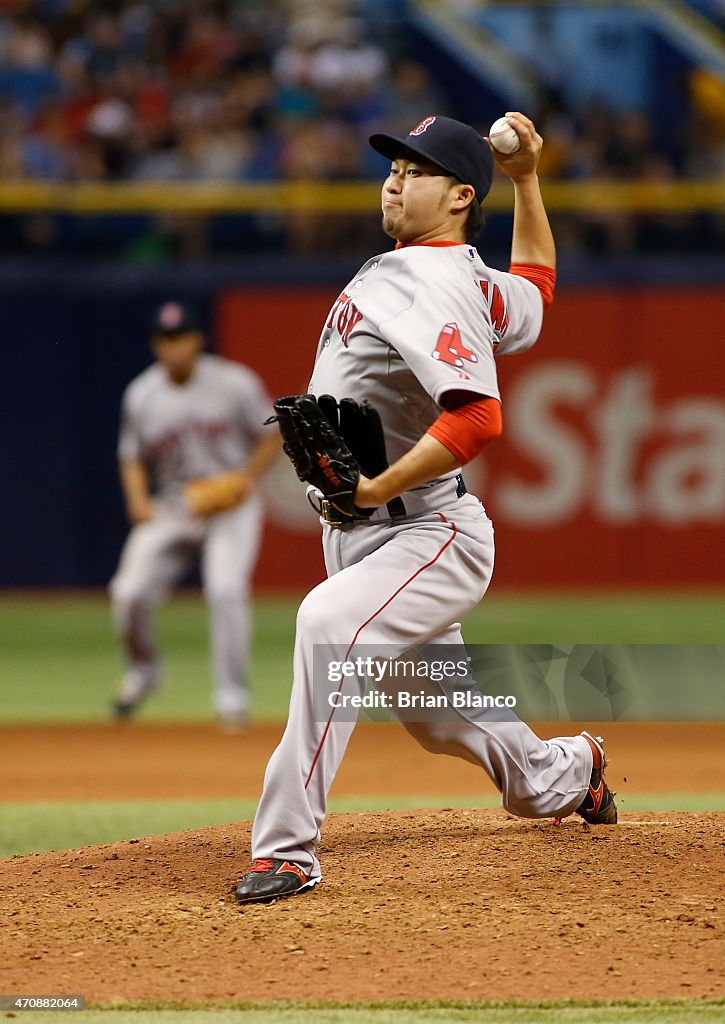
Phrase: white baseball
(503, 136)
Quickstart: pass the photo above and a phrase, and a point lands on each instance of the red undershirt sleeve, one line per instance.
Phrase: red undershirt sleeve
(543, 277)
(468, 429)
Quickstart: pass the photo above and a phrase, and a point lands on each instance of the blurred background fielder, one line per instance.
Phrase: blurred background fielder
(191, 447)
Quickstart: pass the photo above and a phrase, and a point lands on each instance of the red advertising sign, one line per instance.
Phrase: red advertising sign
(611, 468)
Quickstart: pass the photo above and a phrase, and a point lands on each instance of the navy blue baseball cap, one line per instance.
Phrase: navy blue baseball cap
(451, 145)
(172, 318)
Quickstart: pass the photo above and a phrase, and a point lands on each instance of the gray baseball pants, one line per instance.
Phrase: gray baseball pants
(156, 555)
(399, 585)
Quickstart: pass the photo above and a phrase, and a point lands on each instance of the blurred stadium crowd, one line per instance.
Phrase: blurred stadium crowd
(218, 90)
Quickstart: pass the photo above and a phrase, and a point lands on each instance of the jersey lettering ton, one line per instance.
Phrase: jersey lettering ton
(205, 426)
(418, 322)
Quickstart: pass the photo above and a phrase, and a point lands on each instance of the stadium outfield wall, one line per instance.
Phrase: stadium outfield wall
(611, 470)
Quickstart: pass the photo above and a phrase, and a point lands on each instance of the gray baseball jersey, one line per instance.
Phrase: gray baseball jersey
(415, 323)
(205, 426)
(411, 325)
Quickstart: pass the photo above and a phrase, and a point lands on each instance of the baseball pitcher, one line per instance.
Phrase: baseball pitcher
(403, 394)
(192, 446)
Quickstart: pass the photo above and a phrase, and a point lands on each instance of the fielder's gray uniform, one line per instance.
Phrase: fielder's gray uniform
(411, 325)
(206, 426)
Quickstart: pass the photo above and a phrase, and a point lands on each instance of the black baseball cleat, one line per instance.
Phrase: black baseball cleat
(270, 879)
(130, 700)
(598, 806)
(122, 710)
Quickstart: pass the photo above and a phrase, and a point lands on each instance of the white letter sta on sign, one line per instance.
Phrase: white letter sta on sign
(556, 448)
(682, 480)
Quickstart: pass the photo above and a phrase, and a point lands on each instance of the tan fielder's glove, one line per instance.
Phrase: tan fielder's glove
(210, 495)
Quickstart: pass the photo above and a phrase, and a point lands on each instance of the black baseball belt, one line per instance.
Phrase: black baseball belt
(396, 507)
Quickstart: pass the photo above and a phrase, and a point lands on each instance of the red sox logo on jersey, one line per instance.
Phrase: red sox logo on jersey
(423, 126)
(344, 316)
(450, 348)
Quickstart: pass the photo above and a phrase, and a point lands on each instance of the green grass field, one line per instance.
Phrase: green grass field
(58, 659)
(491, 1013)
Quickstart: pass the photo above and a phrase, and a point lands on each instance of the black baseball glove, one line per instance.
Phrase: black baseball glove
(315, 438)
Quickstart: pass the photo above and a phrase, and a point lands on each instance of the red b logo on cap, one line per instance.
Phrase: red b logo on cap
(171, 316)
(423, 126)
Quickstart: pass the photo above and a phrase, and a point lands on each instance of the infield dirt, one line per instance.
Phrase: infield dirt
(148, 761)
(436, 904)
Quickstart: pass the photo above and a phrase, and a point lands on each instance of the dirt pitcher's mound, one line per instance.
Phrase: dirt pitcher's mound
(415, 905)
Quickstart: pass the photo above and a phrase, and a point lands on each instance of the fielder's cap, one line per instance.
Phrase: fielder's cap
(174, 318)
(453, 146)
